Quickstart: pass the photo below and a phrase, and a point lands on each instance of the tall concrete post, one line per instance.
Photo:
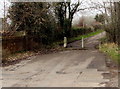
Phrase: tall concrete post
(65, 42)
(82, 42)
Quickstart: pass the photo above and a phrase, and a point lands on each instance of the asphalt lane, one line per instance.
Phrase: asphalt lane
(71, 68)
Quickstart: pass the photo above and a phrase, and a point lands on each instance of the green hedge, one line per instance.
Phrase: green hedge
(80, 31)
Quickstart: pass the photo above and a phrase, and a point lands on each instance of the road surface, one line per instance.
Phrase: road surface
(70, 68)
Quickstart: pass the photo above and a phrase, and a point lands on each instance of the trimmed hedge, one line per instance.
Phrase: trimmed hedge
(80, 31)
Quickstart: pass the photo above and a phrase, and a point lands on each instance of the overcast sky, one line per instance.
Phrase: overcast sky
(1, 8)
(7, 4)
(86, 4)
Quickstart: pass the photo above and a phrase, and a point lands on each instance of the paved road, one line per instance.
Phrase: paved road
(71, 68)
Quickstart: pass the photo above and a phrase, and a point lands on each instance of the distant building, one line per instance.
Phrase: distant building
(96, 23)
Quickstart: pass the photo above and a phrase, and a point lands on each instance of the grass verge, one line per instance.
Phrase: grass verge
(112, 50)
(84, 36)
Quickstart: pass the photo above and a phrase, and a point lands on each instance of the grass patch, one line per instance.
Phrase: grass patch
(84, 36)
(112, 50)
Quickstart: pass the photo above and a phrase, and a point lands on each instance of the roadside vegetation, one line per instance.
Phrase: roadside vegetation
(111, 44)
(79, 37)
(112, 50)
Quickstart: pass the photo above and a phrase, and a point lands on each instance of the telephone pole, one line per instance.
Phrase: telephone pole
(4, 17)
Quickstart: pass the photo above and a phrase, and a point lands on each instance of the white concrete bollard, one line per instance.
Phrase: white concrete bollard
(65, 42)
(82, 42)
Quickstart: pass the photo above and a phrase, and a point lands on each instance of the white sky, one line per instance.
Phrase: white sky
(86, 3)
(7, 4)
(1, 8)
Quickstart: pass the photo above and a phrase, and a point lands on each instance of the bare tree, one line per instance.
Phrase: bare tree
(65, 12)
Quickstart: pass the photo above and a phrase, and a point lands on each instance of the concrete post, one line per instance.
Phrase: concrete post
(82, 42)
(65, 42)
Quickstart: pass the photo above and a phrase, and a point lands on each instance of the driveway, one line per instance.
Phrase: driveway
(70, 68)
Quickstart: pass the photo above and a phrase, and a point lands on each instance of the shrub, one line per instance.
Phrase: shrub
(80, 31)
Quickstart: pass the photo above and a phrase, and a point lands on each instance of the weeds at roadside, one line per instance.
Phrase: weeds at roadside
(112, 50)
